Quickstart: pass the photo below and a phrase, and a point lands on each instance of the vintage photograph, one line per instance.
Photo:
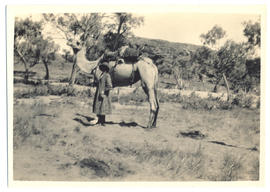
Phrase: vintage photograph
(135, 96)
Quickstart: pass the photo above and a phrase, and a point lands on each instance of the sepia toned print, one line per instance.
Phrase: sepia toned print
(178, 96)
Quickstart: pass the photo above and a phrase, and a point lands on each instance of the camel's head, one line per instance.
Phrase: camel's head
(75, 44)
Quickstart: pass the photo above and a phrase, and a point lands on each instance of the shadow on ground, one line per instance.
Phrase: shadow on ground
(86, 121)
(86, 117)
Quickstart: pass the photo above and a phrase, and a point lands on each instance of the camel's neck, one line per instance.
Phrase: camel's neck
(81, 56)
(83, 63)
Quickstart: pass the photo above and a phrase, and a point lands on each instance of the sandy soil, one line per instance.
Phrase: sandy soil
(54, 139)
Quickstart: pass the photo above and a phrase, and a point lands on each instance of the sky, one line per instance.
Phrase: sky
(176, 27)
(187, 27)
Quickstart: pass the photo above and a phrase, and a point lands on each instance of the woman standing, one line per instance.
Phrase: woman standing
(102, 100)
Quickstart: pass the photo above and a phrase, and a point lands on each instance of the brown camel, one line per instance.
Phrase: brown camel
(126, 74)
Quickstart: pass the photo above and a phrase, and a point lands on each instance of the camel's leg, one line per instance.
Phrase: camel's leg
(153, 105)
(146, 90)
(149, 78)
(157, 108)
(153, 109)
(156, 99)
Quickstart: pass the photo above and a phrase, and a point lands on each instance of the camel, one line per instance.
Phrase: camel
(127, 74)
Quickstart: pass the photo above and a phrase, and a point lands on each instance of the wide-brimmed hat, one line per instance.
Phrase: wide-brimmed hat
(104, 66)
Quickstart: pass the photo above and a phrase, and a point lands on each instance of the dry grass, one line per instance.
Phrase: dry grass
(71, 149)
(255, 171)
(231, 168)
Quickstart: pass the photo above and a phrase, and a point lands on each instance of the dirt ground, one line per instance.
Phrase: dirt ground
(54, 140)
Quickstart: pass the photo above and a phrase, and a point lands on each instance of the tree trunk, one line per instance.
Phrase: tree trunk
(215, 88)
(73, 72)
(47, 70)
(118, 34)
(227, 86)
(179, 81)
(26, 75)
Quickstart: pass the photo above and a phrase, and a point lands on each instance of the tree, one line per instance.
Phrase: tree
(253, 33)
(122, 26)
(67, 55)
(212, 37)
(30, 45)
(46, 50)
(78, 28)
(26, 33)
(110, 39)
(227, 62)
(203, 60)
(231, 64)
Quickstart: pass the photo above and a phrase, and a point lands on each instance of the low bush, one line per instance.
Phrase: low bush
(44, 90)
(138, 96)
(41, 90)
(245, 100)
(163, 98)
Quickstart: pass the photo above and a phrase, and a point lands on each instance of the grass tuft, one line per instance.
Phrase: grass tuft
(231, 168)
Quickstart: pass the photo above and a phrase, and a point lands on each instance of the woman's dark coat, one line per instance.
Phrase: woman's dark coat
(102, 99)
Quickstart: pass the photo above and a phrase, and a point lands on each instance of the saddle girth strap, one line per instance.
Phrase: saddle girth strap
(132, 79)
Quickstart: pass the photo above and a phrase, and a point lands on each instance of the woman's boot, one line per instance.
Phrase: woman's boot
(102, 120)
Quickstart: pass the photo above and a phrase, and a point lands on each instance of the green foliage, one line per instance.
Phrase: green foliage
(167, 55)
(253, 33)
(253, 64)
(229, 60)
(30, 45)
(81, 27)
(46, 49)
(203, 61)
(195, 102)
(244, 100)
(122, 26)
(136, 97)
(78, 29)
(26, 34)
(254, 68)
(32, 92)
(94, 51)
(82, 79)
(177, 60)
(212, 37)
(232, 62)
(110, 38)
(67, 55)
(26, 28)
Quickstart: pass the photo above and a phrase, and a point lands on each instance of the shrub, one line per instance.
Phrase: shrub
(210, 103)
(82, 79)
(44, 90)
(169, 98)
(188, 102)
(32, 92)
(136, 97)
(244, 100)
